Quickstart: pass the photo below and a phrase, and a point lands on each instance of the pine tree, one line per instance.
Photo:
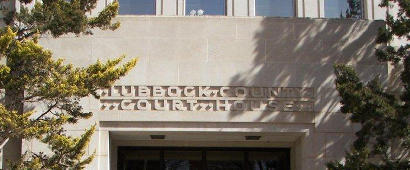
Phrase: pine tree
(383, 142)
(32, 75)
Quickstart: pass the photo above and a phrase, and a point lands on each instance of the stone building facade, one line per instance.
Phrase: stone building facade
(218, 90)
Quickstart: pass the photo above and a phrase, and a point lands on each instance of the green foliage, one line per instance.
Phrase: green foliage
(59, 17)
(383, 142)
(32, 75)
(68, 153)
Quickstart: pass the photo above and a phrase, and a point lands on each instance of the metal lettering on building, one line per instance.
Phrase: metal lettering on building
(207, 98)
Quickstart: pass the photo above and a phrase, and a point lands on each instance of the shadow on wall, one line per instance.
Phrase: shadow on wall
(302, 52)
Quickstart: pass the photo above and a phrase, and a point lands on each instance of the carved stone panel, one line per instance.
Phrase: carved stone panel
(207, 98)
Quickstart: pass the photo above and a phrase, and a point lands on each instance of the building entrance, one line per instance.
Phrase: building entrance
(193, 158)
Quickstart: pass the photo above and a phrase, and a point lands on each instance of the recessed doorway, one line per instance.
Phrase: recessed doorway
(200, 158)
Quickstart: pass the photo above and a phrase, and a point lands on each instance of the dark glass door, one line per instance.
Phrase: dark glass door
(167, 158)
(182, 160)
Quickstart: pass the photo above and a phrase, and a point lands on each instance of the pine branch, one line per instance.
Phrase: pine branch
(48, 110)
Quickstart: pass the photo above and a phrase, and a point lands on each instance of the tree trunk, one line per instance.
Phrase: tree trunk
(13, 149)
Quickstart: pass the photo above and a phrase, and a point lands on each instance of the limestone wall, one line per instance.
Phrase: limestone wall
(230, 52)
